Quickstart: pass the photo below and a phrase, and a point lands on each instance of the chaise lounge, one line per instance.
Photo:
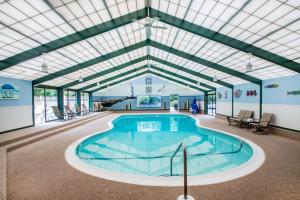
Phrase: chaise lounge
(263, 123)
(242, 116)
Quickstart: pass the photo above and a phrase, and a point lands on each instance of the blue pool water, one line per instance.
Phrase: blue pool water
(144, 144)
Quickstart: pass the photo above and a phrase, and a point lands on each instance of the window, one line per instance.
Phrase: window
(70, 99)
(44, 99)
(85, 99)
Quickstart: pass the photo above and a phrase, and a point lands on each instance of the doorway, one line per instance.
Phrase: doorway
(44, 98)
(211, 107)
(174, 102)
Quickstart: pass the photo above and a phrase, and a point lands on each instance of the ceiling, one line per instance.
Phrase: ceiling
(102, 40)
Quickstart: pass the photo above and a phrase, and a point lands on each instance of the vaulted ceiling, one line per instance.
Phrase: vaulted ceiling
(107, 42)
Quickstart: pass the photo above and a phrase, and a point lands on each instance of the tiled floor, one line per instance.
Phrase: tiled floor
(39, 171)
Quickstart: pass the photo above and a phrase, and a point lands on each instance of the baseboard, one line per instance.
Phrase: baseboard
(16, 129)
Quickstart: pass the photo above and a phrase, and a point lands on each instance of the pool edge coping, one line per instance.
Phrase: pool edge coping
(250, 166)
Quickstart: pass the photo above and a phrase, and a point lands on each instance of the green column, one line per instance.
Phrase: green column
(205, 103)
(78, 98)
(232, 101)
(260, 100)
(90, 100)
(60, 98)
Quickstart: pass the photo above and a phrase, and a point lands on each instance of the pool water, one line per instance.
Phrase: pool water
(144, 144)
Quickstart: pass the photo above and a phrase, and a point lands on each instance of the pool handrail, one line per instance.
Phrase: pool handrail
(171, 159)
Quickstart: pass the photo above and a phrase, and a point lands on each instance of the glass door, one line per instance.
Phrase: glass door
(51, 100)
(39, 105)
(211, 100)
(44, 99)
(174, 102)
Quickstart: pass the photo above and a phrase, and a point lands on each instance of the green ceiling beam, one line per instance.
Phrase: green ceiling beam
(194, 73)
(114, 77)
(204, 62)
(226, 40)
(182, 77)
(176, 81)
(90, 62)
(120, 81)
(104, 72)
(72, 38)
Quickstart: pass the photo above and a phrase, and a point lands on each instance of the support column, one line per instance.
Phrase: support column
(60, 98)
(205, 103)
(260, 100)
(91, 100)
(78, 98)
(232, 101)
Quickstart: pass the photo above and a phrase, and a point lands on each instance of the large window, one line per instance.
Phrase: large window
(44, 99)
(85, 99)
(70, 99)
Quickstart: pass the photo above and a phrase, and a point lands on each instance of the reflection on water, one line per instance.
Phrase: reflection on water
(135, 138)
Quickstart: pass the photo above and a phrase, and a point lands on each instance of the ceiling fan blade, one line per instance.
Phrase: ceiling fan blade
(160, 27)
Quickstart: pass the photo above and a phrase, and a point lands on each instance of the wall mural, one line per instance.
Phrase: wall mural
(251, 93)
(225, 94)
(219, 94)
(8, 91)
(294, 92)
(150, 101)
(272, 86)
(237, 93)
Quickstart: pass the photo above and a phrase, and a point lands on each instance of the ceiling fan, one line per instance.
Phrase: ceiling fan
(148, 22)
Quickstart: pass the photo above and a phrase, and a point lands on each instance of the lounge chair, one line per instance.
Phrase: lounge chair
(58, 114)
(85, 109)
(263, 123)
(69, 112)
(79, 111)
(242, 116)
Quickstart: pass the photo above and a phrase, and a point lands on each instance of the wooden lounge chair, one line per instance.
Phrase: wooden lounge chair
(240, 119)
(263, 123)
(69, 112)
(85, 109)
(79, 111)
(58, 114)
(236, 119)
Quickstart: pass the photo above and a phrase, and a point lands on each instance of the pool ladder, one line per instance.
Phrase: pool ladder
(172, 157)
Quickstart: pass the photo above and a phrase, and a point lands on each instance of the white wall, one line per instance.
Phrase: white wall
(13, 117)
(224, 108)
(16, 113)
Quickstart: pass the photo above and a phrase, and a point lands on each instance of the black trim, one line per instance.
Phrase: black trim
(288, 129)
(16, 129)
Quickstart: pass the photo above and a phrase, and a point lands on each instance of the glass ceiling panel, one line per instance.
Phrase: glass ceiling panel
(118, 79)
(182, 73)
(255, 22)
(212, 51)
(188, 64)
(179, 79)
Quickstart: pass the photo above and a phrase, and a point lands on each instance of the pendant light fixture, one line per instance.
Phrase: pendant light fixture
(249, 65)
(80, 79)
(215, 79)
(44, 65)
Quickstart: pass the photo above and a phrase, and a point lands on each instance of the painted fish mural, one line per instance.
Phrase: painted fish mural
(295, 92)
(251, 93)
(219, 95)
(237, 93)
(225, 94)
(272, 86)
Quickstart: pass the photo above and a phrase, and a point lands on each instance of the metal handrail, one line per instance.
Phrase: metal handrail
(172, 157)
